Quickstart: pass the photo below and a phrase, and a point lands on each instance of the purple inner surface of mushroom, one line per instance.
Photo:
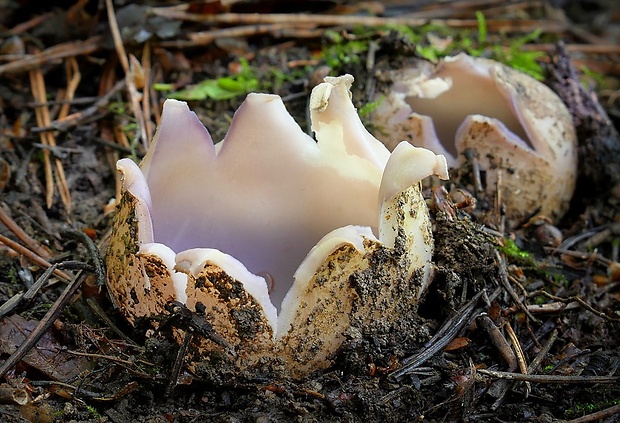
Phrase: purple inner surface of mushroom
(245, 200)
(471, 93)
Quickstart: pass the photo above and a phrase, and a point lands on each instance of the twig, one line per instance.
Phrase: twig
(49, 175)
(32, 257)
(146, 90)
(543, 352)
(105, 357)
(96, 308)
(575, 298)
(32, 243)
(59, 51)
(43, 325)
(73, 77)
(524, 25)
(581, 255)
(598, 416)
(178, 364)
(79, 117)
(206, 37)
(8, 306)
(499, 388)
(47, 138)
(549, 378)
(603, 48)
(94, 254)
(503, 273)
(443, 337)
(548, 308)
(131, 86)
(28, 25)
(516, 345)
(500, 342)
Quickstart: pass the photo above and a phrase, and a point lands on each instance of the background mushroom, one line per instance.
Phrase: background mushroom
(519, 130)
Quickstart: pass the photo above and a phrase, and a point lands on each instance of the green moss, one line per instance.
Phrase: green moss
(223, 88)
(92, 410)
(368, 108)
(512, 251)
(581, 409)
(340, 52)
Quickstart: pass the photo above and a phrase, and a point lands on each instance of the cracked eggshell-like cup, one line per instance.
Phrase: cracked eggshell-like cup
(280, 242)
(519, 130)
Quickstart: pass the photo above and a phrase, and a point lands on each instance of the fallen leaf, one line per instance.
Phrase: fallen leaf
(48, 356)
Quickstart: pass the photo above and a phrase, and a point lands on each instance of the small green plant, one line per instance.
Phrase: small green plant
(482, 27)
(512, 251)
(370, 107)
(341, 52)
(223, 88)
(522, 60)
(92, 410)
(556, 278)
(590, 77)
(475, 44)
(581, 409)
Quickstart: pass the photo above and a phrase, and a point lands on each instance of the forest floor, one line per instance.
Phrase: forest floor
(521, 322)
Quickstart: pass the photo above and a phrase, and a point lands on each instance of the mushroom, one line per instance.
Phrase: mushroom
(281, 242)
(520, 131)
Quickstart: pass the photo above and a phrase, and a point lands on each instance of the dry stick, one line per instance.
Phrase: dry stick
(60, 51)
(207, 37)
(598, 416)
(525, 25)
(45, 323)
(96, 308)
(32, 257)
(442, 338)
(575, 298)
(104, 357)
(32, 244)
(47, 138)
(516, 347)
(500, 342)
(73, 76)
(519, 353)
(146, 90)
(79, 117)
(543, 352)
(178, 364)
(549, 378)
(8, 306)
(499, 388)
(131, 86)
(530, 369)
(49, 176)
(92, 249)
(580, 255)
(503, 273)
(550, 308)
(580, 48)
(26, 26)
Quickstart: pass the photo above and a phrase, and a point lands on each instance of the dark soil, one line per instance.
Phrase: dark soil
(554, 286)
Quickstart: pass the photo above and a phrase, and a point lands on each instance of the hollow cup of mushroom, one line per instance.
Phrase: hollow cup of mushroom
(520, 132)
(282, 243)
